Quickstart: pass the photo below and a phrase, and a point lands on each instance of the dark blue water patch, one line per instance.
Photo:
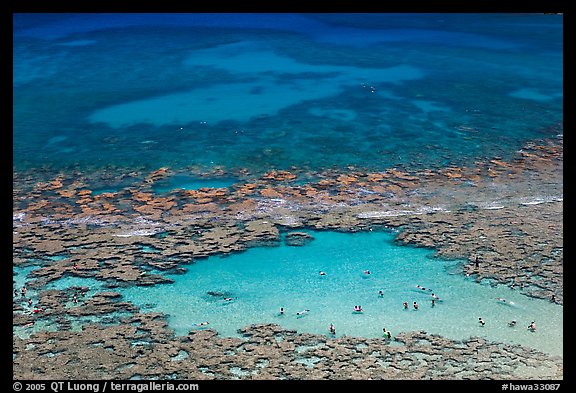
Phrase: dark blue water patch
(511, 26)
(189, 182)
(62, 25)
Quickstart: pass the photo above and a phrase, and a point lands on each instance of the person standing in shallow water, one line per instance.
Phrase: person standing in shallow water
(386, 333)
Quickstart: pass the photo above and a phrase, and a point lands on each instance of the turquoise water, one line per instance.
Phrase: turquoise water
(262, 280)
(261, 91)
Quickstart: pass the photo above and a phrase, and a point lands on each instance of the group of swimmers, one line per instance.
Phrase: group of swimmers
(433, 295)
(365, 272)
(512, 323)
(531, 327)
(386, 333)
(22, 292)
(303, 312)
(415, 305)
(359, 309)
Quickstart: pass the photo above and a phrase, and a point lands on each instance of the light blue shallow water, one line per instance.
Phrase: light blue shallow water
(262, 280)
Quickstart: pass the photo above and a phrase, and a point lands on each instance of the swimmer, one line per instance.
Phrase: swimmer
(30, 302)
(387, 333)
(303, 312)
(435, 297)
(433, 302)
(281, 310)
(405, 304)
(380, 294)
(332, 329)
(366, 271)
(358, 308)
(201, 324)
(504, 301)
(415, 306)
(322, 273)
(481, 321)
(532, 326)
(512, 323)
(23, 291)
(228, 299)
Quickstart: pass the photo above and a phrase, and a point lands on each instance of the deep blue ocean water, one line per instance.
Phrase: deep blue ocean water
(260, 91)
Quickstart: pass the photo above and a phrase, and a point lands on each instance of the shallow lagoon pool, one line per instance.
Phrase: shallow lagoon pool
(263, 280)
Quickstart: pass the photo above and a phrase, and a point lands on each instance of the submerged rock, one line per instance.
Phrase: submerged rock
(298, 238)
